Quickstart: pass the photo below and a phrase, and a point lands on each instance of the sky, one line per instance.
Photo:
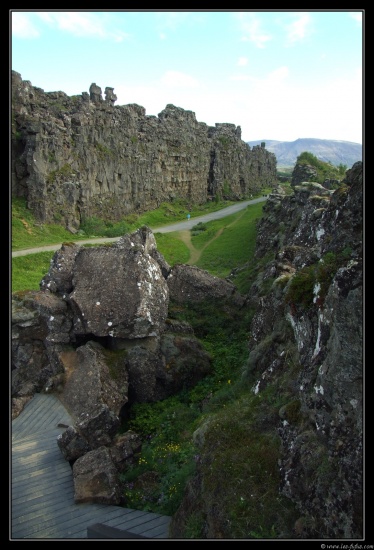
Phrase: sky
(279, 75)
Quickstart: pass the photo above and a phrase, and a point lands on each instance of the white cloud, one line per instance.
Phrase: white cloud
(240, 77)
(288, 112)
(22, 27)
(277, 76)
(270, 108)
(299, 28)
(179, 80)
(83, 24)
(242, 61)
(249, 24)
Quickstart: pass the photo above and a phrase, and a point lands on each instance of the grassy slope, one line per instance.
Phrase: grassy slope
(27, 233)
(27, 271)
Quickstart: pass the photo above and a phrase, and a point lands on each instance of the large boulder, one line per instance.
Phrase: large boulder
(99, 326)
(119, 291)
(191, 284)
(41, 323)
(302, 173)
(98, 426)
(124, 449)
(96, 479)
(59, 277)
(72, 444)
(94, 376)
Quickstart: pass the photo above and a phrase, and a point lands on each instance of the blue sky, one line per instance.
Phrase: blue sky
(280, 75)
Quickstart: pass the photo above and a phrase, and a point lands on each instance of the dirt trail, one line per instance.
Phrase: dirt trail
(195, 253)
(182, 228)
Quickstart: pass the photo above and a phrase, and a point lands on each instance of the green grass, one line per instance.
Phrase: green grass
(246, 500)
(172, 248)
(167, 452)
(28, 271)
(167, 426)
(27, 233)
(177, 211)
(248, 496)
(235, 244)
(227, 251)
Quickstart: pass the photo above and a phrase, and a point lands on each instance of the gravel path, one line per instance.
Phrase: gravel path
(179, 226)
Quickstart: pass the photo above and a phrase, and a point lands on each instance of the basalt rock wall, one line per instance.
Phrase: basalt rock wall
(74, 157)
(305, 344)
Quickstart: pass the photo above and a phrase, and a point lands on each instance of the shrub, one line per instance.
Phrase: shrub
(301, 287)
(198, 228)
(325, 170)
(312, 283)
(167, 456)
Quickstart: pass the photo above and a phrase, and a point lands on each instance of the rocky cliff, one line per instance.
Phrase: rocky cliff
(305, 370)
(100, 326)
(98, 332)
(82, 156)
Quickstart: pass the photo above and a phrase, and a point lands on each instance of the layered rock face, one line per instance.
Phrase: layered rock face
(81, 156)
(319, 265)
(306, 342)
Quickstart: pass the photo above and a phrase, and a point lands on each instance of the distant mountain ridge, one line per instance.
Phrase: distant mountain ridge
(334, 151)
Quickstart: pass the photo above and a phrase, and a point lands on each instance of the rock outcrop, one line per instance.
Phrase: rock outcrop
(98, 333)
(78, 157)
(303, 172)
(306, 345)
(99, 327)
(321, 466)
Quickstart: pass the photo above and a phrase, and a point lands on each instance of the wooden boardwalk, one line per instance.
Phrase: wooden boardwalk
(42, 489)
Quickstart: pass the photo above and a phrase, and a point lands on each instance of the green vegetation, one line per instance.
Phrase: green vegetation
(325, 170)
(198, 228)
(27, 233)
(311, 283)
(234, 245)
(103, 151)
(250, 505)
(224, 253)
(167, 456)
(246, 502)
(172, 248)
(98, 227)
(28, 271)
(285, 172)
(64, 172)
(177, 210)
(167, 426)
